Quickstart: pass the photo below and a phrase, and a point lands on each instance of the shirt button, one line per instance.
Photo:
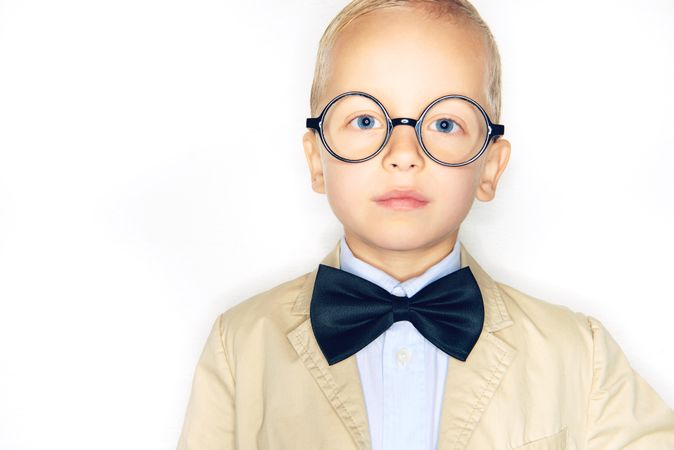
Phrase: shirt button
(403, 356)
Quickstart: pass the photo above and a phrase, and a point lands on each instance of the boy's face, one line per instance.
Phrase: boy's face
(406, 60)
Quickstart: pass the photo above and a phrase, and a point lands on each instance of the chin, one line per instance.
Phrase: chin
(391, 238)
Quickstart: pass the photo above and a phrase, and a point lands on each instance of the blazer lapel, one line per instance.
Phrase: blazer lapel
(469, 386)
(340, 382)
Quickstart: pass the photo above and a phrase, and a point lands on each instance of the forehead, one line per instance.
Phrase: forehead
(406, 59)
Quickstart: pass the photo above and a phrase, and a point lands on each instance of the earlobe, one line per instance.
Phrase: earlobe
(313, 156)
(495, 163)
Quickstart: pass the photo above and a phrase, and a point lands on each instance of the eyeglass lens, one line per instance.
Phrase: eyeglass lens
(453, 129)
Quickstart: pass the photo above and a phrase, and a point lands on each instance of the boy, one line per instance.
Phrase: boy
(398, 339)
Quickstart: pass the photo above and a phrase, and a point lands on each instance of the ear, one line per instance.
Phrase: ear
(494, 164)
(312, 152)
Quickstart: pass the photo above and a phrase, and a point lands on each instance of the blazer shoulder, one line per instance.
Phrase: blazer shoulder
(273, 303)
(541, 317)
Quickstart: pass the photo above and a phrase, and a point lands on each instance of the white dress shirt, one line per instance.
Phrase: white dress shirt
(402, 373)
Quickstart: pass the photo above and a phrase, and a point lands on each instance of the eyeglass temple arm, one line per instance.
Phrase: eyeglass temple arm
(312, 122)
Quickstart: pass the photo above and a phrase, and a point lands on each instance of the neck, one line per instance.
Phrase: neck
(401, 263)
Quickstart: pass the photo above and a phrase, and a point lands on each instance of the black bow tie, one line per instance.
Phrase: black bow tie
(348, 312)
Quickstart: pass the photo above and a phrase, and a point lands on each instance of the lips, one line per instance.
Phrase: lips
(402, 194)
(401, 199)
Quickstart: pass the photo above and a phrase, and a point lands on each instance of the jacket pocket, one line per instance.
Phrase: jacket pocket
(555, 441)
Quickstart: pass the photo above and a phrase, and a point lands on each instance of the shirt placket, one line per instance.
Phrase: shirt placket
(405, 417)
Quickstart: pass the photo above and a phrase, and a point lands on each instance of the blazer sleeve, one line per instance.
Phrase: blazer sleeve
(209, 420)
(624, 412)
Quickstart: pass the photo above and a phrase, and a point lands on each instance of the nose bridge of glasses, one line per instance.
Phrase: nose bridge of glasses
(404, 121)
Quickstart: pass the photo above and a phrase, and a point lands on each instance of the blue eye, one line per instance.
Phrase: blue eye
(364, 122)
(446, 125)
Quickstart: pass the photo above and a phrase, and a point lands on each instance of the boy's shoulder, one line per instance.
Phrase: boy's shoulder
(522, 305)
(538, 320)
(273, 304)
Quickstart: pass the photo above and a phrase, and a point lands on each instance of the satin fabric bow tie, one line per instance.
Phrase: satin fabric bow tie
(348, 312)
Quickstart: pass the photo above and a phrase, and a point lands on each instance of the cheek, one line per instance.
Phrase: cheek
(454, 192)
(346, 186)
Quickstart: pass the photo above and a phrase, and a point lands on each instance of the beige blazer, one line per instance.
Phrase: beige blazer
(540, 377)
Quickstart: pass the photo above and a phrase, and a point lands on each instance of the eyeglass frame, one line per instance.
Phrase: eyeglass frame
(494, 130)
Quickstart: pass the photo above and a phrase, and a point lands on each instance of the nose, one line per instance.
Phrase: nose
(403, 150)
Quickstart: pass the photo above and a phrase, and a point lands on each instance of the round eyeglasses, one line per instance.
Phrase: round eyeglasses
(454, 130)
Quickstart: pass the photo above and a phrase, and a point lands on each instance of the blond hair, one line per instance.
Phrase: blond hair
(459, 10)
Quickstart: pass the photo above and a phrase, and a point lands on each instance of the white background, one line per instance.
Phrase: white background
(152, 175)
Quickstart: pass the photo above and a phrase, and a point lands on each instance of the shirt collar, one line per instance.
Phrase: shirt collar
(349, 263)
